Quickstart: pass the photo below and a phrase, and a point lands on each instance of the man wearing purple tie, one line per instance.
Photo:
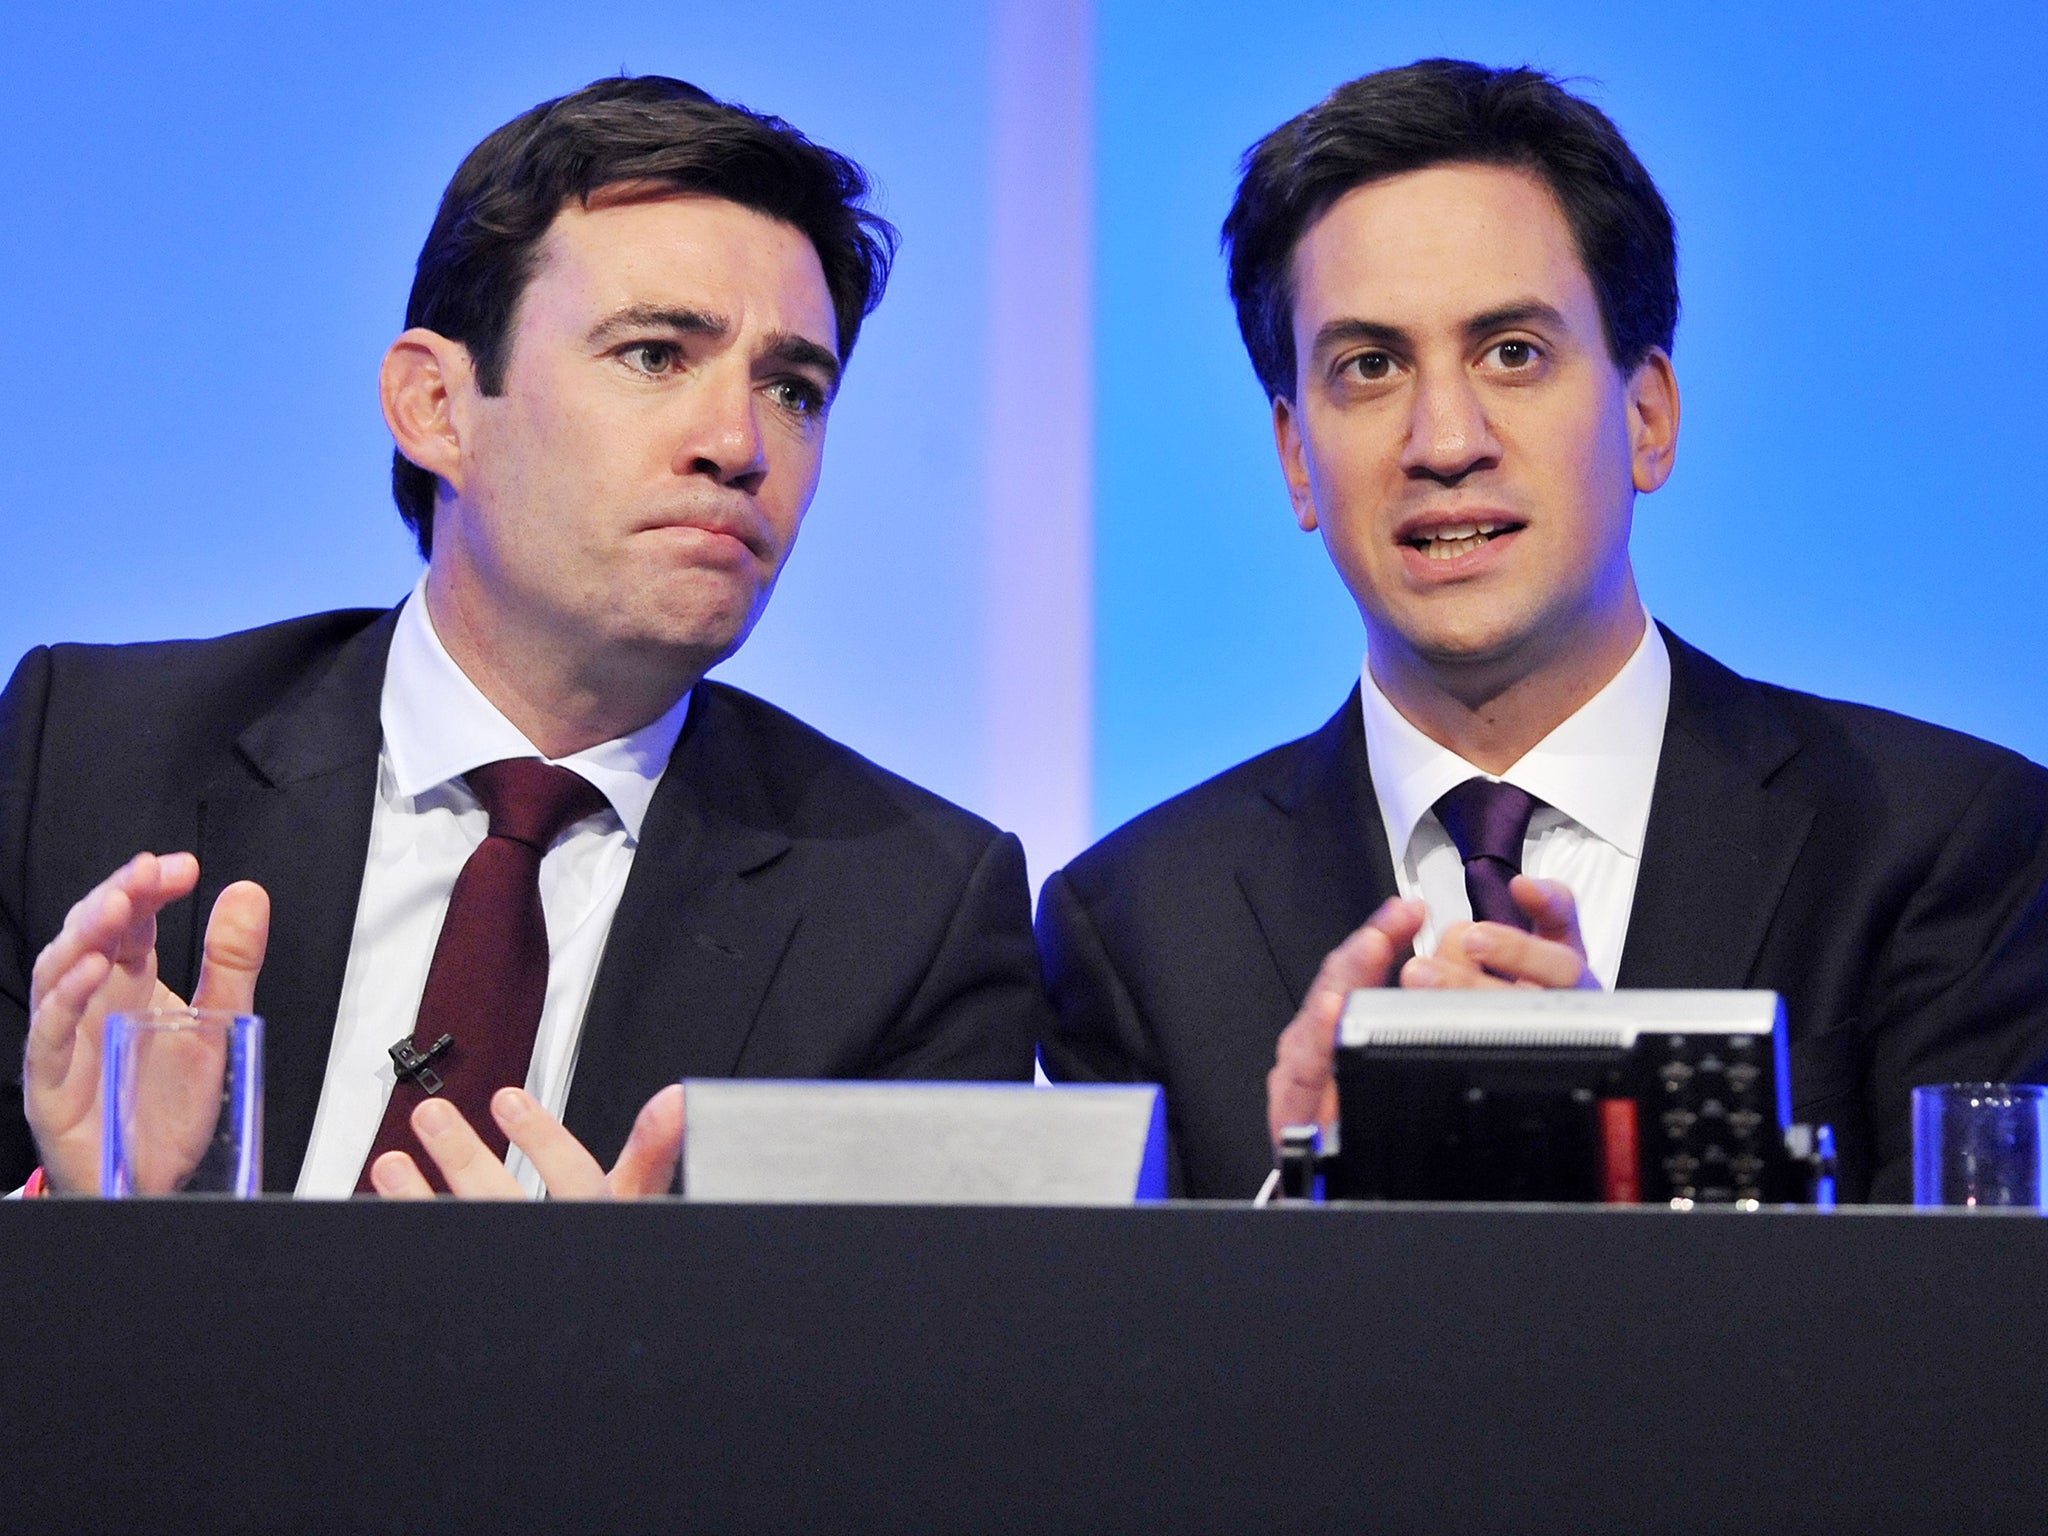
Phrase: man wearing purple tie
(1458, 287)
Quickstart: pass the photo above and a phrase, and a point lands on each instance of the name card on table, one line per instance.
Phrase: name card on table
(894, 1143)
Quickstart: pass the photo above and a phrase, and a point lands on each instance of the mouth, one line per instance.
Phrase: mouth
(717, 531)
(1454, 541)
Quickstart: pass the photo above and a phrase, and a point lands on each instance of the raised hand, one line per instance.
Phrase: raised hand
(1551, 955)
(103, 961)
(1301, 1087)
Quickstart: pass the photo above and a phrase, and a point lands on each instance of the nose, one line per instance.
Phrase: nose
(1449, 435)
(722, 435)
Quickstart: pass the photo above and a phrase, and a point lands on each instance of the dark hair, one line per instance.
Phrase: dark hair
(1430, 113)
(479, 255)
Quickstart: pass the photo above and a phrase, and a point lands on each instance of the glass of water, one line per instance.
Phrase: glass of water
(1980, 1144)
(182, 1103)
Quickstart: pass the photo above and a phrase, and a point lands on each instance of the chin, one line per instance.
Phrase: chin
(1473, 641)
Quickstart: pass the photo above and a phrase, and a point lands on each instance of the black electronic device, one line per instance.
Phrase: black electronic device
(1640, 1097)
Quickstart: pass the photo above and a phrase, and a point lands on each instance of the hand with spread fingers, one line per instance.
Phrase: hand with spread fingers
(646, 1165)
(1302, 1086)
(104, 961)
(1550, 955)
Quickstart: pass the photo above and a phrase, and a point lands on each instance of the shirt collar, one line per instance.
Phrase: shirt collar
(438, 725)
(1598, 766)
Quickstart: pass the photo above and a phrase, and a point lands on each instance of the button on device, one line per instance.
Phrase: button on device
(1675, 1075)
(1677, 1122)
(1745, 1122)
(1742, 1076)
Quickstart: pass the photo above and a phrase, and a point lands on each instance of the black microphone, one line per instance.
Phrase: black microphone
(418, 1066)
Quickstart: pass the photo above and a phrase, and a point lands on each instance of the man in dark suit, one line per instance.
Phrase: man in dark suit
(1458, 286)
(628, 325)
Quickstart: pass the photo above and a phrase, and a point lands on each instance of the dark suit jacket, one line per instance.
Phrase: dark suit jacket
(1884, 875)
(793, 910)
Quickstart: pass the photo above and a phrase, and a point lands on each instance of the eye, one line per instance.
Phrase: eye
(1514, 356)
(653, 358)
(1371, 367)
(797, 395)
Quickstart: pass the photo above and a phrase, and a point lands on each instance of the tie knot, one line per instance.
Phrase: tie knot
(1488, 820)
(533, 802)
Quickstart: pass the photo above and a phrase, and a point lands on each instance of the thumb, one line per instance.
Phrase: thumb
(1551, 911)
(236, 936)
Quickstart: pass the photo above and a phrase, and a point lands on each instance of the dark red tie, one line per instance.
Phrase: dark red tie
(1489, 823)
(489, 975)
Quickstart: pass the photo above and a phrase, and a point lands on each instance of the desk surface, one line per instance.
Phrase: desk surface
(363, 1367)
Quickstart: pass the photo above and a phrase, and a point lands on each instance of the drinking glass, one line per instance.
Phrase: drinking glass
(1980, 1144)
(182, 1103)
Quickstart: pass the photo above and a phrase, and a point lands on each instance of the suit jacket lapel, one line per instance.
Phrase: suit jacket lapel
(700, 929)
(1721, 841)
(1331, 867)
(292, 813)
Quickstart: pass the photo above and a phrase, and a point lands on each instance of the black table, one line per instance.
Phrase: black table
(358, 1367)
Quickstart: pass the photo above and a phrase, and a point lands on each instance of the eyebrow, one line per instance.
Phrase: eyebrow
(642, 317)
(1339, 332)
(794, 351)
(1520, 312)
(785, 347)
(1533, 312)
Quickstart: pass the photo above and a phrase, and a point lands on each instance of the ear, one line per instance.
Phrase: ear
(1293, 462)
(423, 384)
(1652, 421)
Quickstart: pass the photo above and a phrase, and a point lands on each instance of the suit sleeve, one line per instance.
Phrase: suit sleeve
(1097, 1034)
(22, 708)
(1964, 978)
(980, 1006)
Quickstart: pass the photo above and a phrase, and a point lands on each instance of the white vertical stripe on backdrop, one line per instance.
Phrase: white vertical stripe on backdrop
(1038, 585)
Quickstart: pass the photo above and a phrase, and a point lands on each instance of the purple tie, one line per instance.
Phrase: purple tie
(489, 975)
(1489, 822)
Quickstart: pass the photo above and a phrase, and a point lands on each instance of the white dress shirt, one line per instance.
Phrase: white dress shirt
(1594, 773)
(426, 823)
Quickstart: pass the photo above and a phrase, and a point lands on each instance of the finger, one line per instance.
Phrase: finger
(1441, 973)
(117, 917)
(564, 1166)
(1300, 1086)
(647, 1164)
(1552, 912)
(61, 1072)
(1366, 957)
(467, 1166)
(92, 926)
(396, 1176)
(236, 936)
(1451, 946)
(150, 883)
(1518, 956)
(54, 1024)
(1303, 1071)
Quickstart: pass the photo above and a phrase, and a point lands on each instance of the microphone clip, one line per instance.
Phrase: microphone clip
(418, 1066)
